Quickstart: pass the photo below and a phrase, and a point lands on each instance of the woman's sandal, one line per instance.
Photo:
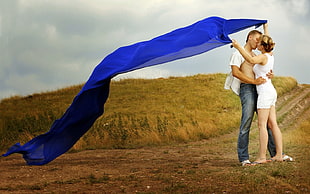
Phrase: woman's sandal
(276, 160)
(264, 162)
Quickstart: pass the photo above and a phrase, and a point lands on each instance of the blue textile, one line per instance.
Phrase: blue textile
(88, 105)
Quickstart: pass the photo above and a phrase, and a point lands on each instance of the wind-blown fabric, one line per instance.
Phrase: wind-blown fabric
(88, 105)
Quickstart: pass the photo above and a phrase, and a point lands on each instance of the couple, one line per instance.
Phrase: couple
(256, 93)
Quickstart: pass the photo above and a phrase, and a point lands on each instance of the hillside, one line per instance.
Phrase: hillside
(192, 121)
(139, 112)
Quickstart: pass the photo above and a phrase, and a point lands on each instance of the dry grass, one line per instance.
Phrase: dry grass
(139, 112)
(169, 111)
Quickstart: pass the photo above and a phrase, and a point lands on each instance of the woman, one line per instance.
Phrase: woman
(267, 97)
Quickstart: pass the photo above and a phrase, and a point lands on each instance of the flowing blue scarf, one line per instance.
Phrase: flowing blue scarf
(88, 105)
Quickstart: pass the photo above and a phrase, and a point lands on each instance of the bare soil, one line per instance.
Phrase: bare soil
(195, 167)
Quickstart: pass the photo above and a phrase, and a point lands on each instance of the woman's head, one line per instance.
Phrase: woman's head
(266, 43)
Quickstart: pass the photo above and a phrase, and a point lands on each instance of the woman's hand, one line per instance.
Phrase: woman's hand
(235, 43)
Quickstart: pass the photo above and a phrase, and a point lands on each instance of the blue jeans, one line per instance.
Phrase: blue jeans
(248, 98)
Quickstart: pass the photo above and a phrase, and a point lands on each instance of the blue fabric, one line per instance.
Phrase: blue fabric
(88, 105)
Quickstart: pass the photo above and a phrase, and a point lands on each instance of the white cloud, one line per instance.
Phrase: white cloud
(300, 7)
(146, 73)
(49, 44)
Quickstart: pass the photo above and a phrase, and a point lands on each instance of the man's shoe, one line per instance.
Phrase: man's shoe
(246, 163)
(287, 158)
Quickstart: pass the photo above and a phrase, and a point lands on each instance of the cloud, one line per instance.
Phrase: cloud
(300, 7)
(52, 44)
(147, 73)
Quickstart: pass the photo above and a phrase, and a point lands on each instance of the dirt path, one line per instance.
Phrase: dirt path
(207, 165)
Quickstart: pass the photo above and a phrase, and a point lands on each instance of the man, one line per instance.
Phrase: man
(245, 87)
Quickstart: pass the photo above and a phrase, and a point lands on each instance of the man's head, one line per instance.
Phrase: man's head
(253, 38)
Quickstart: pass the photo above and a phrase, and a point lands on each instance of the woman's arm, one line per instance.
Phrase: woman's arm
(259, 59)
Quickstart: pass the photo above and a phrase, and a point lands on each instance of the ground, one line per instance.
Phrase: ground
(207, 166)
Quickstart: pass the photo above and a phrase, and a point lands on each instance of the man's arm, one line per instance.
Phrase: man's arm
(236, 72)
(270, 74)
(265, 26)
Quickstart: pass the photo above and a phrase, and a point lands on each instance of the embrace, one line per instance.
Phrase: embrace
(251, 80)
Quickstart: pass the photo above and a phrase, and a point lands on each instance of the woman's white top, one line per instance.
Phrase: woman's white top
(267, 95)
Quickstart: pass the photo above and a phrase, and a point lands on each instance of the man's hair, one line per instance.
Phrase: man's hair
(253, 32)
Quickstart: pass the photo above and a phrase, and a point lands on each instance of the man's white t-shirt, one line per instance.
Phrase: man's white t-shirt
(232, 82)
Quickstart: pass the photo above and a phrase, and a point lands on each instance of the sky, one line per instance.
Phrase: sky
(46, 45)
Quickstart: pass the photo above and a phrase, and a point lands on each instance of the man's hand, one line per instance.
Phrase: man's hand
(259, 81)
(270, 74)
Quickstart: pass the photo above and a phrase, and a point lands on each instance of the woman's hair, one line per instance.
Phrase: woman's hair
(267, 42)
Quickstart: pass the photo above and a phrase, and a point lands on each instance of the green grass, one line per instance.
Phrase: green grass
(139, 112)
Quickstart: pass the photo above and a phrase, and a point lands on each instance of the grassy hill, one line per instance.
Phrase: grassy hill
(139, 112)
